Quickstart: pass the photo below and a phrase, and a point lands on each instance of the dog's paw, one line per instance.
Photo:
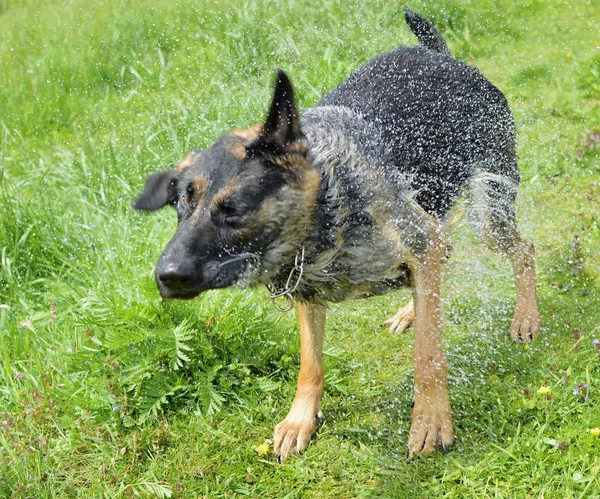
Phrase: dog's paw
(402, 320)
(431, 429)
(293, 435)
(526, 325)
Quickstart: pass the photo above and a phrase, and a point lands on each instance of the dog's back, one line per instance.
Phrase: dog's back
(326, 208)
(440, 121)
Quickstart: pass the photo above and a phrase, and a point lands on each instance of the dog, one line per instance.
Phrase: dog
(353, 199)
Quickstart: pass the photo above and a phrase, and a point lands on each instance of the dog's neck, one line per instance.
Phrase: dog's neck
(342, 147)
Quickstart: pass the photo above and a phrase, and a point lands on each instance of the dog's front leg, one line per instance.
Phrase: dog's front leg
(432, 419)
(293, 434)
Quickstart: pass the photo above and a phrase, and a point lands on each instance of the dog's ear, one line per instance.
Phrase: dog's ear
(282, 126)
(156, 191)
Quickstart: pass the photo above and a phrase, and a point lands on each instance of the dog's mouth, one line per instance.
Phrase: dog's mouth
(185, 281)
(176, 294)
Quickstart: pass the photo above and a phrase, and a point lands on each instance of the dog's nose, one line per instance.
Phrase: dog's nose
(176, 275)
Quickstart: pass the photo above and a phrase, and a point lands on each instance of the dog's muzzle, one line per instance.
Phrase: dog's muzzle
(187, 279)
(177, 280)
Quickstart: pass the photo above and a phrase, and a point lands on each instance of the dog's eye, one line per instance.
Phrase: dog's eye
(188, 198)
(230, 213)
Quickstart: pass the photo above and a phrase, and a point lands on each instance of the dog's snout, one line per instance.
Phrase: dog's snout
(176, 275)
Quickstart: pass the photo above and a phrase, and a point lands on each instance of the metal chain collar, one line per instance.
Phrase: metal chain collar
(287, 292)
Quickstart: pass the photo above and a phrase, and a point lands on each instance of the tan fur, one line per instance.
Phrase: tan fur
(309, 181)
(405, 316)
(248, 134)
(293, 434)
(237, 147)
(225, 192)
(199, 186)
(189, 160)
(527, 317)
(403, 319)
(432, 419)
(241, 138)
(294, 158)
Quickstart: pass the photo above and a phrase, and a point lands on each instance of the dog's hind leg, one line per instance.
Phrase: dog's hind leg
(402, 319)
(293, 434)
(432, 418)
(420, 241)
(526, 323)
(405, 316)
(493, 213)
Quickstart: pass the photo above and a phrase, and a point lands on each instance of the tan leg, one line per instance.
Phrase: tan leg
(293, 434)
(432, 418)
(526, 323)
(403, 318)
(493, 214)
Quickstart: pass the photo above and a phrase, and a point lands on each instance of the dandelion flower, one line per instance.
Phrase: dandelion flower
(544, 390)
(595, 432)
(262, 449)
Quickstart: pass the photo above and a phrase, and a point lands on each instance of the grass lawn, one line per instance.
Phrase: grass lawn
(108, 391)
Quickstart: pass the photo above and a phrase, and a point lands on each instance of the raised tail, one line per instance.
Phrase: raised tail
(425, 32)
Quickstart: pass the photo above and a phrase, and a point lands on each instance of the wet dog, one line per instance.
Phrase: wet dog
(353, 199)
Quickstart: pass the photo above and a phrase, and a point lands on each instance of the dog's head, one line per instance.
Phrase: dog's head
(243, 205)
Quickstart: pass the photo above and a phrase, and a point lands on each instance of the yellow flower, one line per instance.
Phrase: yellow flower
(544, 390)
(595, 432)
(262, 449)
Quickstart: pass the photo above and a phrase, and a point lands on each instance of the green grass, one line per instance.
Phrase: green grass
(105, 390)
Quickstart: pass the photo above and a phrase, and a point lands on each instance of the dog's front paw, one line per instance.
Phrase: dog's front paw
(402, 320)
(526, 324)
(292, 435)
(431, 428)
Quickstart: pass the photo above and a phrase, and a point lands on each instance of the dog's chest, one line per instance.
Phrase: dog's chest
(349, 254)
(359, 263)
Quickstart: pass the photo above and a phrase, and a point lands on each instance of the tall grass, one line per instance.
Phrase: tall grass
(105, 390)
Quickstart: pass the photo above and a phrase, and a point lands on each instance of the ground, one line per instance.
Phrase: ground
(105, 390)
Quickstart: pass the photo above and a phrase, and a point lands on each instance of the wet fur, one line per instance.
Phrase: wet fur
(391, 147)
(362, 184)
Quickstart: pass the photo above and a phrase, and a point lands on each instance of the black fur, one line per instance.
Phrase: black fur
(400, 139)
(425, 32)
(282, 126)
(440, 121)
(349, 200)
(156, 191)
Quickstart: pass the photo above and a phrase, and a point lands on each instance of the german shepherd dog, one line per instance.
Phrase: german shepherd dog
(353, 199)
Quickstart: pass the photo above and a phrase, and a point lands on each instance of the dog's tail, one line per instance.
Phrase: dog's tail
(426, 32)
